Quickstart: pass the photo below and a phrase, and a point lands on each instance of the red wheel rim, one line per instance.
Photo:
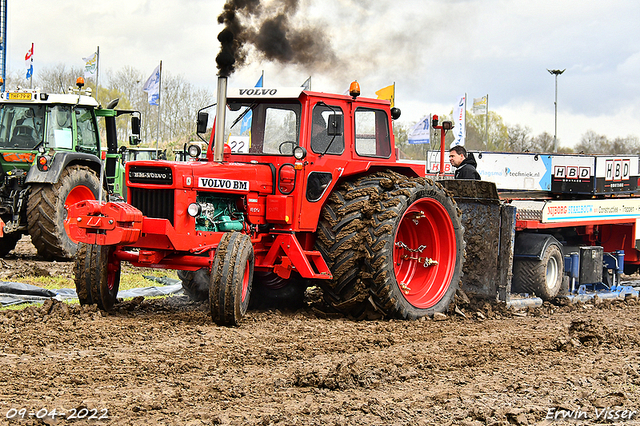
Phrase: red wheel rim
(425, 235)
(77, 194)
(245, 282)
(113, 266)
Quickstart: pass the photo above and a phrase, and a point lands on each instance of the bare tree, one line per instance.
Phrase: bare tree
(593, 143)
(520, 139)
(542, 143)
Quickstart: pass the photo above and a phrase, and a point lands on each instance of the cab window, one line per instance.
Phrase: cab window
(21, 125)
(321, 140)
(59, 133)
(372, 133)
(265, 128)
(87, 134)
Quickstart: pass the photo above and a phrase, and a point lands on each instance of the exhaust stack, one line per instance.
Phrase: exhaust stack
(218, 147)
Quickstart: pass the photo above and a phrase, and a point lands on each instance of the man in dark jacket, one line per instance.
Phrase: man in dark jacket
(464, 163)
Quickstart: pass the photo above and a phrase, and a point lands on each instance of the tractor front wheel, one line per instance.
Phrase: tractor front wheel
(97, 275)
(269, 291)
(195, 284)
(231, 279)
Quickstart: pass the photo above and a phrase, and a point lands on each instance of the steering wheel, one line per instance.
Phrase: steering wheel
(280, 148)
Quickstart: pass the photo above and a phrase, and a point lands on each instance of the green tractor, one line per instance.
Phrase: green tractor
(52, 156)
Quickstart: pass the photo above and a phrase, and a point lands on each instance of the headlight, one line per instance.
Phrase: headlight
(194, 210)
(194, 151)
(299, 152)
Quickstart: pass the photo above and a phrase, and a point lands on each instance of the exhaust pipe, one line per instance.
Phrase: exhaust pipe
(218, 144)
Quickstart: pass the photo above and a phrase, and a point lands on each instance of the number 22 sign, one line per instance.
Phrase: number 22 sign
(239, 144)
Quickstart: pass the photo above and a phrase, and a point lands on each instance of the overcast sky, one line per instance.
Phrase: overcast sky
(433, 50)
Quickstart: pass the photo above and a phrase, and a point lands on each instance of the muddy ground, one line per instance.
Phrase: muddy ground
(165, 362)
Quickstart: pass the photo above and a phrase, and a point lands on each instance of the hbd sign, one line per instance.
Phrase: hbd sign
(617, 170)
(571, 172)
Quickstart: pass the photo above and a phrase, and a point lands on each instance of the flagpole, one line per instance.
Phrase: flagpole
(486, 125)
(465, 118)
(393, 104)
(159, 108)
(97, 69)
(31, 76)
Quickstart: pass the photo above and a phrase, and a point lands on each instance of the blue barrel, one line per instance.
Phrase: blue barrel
(620, 256)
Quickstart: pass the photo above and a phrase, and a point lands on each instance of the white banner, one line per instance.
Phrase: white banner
(421, 132)
(152, 87)
(90, 65)
(459, 118)
(480, 105)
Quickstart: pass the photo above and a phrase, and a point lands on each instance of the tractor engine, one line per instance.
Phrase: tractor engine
(217, 214)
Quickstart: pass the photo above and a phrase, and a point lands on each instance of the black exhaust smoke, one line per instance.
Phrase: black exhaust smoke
(248, 24)
(270, 33)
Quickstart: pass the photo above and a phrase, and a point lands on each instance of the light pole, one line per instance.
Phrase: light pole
(555, 103)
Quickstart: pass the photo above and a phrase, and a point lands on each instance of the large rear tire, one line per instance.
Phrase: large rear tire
(403, 243)
(231, 279)
(541, 277)
(97, 275)
(46, 210)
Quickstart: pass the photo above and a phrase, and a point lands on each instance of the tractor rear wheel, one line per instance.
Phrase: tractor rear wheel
(416, 248)
(541, 277)
(46, 210)
(97, 275)
(231, 279)
(195, 284)
(394, 245)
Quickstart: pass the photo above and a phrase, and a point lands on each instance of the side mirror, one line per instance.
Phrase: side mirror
(113, 103)
(395, 113)
(135, 125)
(203, 120)
(334, 127)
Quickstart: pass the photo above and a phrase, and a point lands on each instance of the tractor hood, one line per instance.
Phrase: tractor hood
(217, 177)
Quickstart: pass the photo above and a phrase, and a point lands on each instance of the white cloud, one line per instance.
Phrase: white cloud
(434, 50)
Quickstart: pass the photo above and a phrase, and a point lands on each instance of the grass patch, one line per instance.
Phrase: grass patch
(132, 278)
(129, 278)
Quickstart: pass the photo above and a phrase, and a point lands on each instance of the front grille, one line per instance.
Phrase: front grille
(154, 175)
(156, 203)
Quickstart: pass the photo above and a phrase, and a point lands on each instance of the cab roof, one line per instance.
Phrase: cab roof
(38, 97)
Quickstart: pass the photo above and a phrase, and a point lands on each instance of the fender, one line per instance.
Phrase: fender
(530, 245)
(60, 162)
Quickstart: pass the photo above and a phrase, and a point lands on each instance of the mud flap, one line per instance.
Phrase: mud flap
(489, 237)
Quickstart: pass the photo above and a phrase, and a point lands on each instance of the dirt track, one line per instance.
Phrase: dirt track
(164, 362)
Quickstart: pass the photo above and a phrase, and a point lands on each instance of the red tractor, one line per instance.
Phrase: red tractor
(307, 190)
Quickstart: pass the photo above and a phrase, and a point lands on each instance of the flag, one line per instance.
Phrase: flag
(90, 65)
(246, 120)
(459, 118)
(152, 87)
(307, 84)
(387, 93)
(480, 105)
(421, 132)
(28, 58)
